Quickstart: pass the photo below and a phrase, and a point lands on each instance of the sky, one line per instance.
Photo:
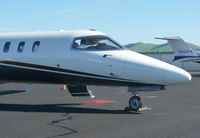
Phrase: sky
(127, 21)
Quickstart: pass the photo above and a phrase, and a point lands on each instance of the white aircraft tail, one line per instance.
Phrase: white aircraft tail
(181, 50)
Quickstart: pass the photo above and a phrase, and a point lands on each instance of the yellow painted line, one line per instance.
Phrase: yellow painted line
(145, 108)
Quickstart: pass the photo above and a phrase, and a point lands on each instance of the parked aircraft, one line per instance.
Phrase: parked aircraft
(182, 52)
(82, 58)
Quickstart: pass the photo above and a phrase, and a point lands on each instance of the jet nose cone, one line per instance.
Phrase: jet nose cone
(184, 77)
(177, 76)
(188, 77)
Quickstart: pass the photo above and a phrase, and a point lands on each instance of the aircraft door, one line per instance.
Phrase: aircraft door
(96, 62)
(90, 62)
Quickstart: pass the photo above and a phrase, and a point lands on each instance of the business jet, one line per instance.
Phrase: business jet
(82, 58)
(182, 52)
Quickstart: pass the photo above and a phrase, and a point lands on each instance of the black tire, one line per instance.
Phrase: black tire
(135, 103)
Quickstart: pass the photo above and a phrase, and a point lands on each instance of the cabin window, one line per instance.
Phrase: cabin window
(21, 46)
(6, 47)
(36, 46)
(96, 43)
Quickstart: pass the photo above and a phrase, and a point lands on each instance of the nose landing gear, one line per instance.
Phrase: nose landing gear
(135, 103)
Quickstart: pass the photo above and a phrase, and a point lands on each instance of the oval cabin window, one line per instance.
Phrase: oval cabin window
(36, 46)
(6, 47)
(21, 46)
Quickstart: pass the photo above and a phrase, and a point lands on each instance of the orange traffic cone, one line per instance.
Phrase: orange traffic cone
(63, 87)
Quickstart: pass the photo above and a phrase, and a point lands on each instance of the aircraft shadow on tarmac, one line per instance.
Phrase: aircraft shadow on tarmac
(9, 92)
(58, 108)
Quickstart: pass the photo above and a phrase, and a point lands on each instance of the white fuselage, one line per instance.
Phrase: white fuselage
(56, 61)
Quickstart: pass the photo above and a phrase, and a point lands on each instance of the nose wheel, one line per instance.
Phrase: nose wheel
(135, 103)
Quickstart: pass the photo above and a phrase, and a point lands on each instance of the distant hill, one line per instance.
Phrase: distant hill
(146, 47)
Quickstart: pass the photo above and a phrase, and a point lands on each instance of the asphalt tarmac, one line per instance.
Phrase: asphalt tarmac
(48, 112)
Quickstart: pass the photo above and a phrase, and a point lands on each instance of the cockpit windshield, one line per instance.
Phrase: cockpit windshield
(96, 43)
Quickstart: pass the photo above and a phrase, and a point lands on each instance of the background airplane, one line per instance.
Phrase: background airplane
(182, 52)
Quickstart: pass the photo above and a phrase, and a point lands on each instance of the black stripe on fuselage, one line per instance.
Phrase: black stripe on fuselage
(47, 68)
(28, 65)
(18, 74)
